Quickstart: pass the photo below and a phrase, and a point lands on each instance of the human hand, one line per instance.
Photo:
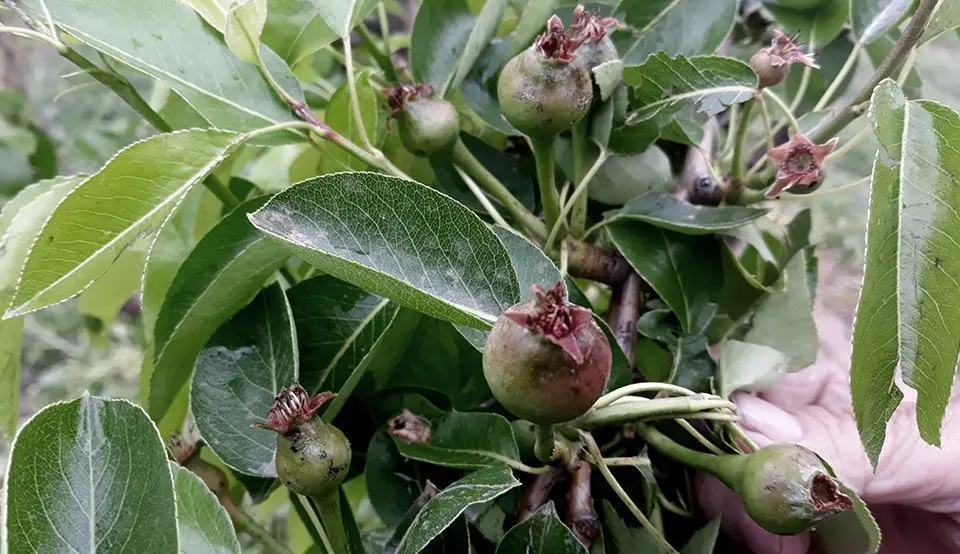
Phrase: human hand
(915, 492)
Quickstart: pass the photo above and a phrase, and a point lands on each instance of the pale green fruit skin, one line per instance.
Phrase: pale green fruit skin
(541, 97)
(798, 4)
(592, 54)
(775, 488)
(313, 459)
(429, 127)
(537, 380)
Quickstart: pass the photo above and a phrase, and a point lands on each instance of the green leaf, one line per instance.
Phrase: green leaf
(20, 220)
(820, 25)
(871, 19)
(245, 21)
(129, 197)
(459, 438)
(784, 319)
(684, 271)
(912, 261)
(337, 325)
(621, 539)
(220, 276)
(198, 211)
(343, 15)
(213, 12)
(392, 482)
(750, 367)
(608, 76)
(664, 210)
(693, 367)
(204, 525)
(623, 176)
(103, 299)
(339, 117)
(533, 267)
(90, 475)
(514, 172)
(703, 541)
(439, 54)
(398, 239)
(295, 30)
(532, 21)
(851, 532)
(167, 41)
(238, 373)
(945, 18)
(652, 27)
(542, 533)
(831, 59)
(409, 516)
(664, 86)
(480, 486)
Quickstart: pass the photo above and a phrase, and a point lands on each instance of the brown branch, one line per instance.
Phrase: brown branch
(536, 493)
(625, 305)
(697, 184)
(581, 517)
(592, 262)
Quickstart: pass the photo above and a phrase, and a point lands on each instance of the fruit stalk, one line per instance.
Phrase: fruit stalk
(545, 444)
(544, 154)
(327, 506)
(465, 160)
(737, 164)
(581, 152)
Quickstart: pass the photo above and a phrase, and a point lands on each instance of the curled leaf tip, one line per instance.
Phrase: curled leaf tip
(291, 407)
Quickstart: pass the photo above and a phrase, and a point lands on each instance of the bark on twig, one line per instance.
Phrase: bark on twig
(536, 493)
(594, 263)
(625, 306)
(581, 517)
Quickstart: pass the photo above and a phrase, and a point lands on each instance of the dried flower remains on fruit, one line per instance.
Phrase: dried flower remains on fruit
(799, 165)
(291, 407)
(773, 62)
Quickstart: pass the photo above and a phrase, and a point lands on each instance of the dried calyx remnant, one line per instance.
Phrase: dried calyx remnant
(773, 62)
(428, 125)
(546, 359)
(799, 165)
(312, 456)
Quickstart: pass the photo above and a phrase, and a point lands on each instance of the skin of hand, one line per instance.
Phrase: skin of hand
(914, 494)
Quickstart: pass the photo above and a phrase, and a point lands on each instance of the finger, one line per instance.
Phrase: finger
(715, 499)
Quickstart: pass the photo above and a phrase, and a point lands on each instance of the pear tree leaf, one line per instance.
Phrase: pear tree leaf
(238, 373)
(169, 42)
(909, 314)
(295, 30)
(90, 475)
(343, 15)
(652, 27)
(398, 239)
(130, 197)
(871, 19)
(222, 274)
(459, 440)
(245, 21)
(543, 532)
(663, 209)
(203, 524)
(443, 509)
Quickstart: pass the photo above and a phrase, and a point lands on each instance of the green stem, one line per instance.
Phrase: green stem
(594, 451)
(698, 436)
(354, 98)
(244, 522)
(841, 118)
(382, 60)
(581, 154)
(465, 160)
(484, 201)
(308, 521)
(545, 156)
(801, 90)
(327, 507)
(35, 35)
(835, 85)
(737, 164)
(578, 193)
(727, 468)
(625, 390)
(545, 443)
(637, 409)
